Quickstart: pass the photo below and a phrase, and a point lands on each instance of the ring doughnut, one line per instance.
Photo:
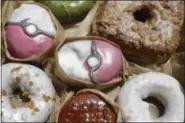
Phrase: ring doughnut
(30, 31)
(69, 11)
(29, 86)
(147, 31)
(159, 85)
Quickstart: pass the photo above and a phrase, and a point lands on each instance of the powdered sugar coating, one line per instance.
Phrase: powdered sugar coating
(159, 85)
(36, 83)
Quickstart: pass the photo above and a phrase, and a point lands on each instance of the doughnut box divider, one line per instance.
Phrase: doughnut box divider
(174, 66)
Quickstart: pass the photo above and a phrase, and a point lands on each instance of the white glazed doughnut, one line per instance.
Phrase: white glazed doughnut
(159, 85)
(31, 81)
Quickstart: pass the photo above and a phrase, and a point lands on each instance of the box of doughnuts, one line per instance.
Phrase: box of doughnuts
(92, 61)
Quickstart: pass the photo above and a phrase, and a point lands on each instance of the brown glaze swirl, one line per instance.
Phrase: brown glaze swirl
(87, 107)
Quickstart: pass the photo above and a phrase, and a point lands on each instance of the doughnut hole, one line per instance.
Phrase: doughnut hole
(19, 98)
(156, 107)
(143, 14)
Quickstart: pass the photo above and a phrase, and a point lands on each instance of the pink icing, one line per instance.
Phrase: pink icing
(23, 46)
(111, 69)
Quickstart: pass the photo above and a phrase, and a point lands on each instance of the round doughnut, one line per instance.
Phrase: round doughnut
(148, 32)
(158, 85)
(69, 11)
(87, 107)
(29, 31)
(30, 87)
(94, 61)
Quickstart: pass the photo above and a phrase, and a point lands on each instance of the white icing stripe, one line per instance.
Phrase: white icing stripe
(72, 56)
(41, 85)
(159, 85)
(37, 15)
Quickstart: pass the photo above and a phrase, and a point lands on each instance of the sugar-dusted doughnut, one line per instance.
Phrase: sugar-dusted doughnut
(87, 107)
(158, 85)
(69, 11)
(91, 60)
(30, 31)
(31, 87)
(147, 31)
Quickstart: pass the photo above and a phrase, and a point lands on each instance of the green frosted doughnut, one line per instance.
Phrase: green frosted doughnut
(69, 11)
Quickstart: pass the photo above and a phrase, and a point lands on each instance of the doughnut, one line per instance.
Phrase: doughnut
(94, 61)
(69, 11)
(87, 107)
(148, 32)
(157, 85)
(29, 31)
(31, 88)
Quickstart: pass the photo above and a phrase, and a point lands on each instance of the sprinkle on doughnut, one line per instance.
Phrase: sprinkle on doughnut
(30, 105)
(36, 109)
(46, 98)
(18, 79)
(30, 84)
(4, 93)
(16, 69)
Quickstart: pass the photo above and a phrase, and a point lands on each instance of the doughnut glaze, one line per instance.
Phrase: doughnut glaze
(34, 93)
(157, 85)
(87, 107)
(91, 60)
(26, 32)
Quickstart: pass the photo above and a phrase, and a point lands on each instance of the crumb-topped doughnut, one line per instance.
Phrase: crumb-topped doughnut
(30, 31)
(27, 93)
(161, 86)
(87, 107)
(91, 60)
(147, 31)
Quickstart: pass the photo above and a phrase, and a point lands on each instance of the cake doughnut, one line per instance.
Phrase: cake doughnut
(31, 88)
(30, 31)
(69, 11)
(148, 32)
(87, 107)
(158, 85)
(91, 60)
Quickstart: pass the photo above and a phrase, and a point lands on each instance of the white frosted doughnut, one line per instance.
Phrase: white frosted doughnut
(36, 15)
(159, 85)
(36, 83)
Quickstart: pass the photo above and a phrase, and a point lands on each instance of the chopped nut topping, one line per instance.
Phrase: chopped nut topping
(134, 28)
(4, 93)
(30, 84)
(16, 69)
(153, 38)
(46, 98)
(36, 109)
(18, 79)
(26, 94)
(142, 34)
(30, 105)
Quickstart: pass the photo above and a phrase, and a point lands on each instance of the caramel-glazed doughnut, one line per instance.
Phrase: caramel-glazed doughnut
(87, 107)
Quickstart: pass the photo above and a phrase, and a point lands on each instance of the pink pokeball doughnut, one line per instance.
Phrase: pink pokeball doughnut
(95, 61)
(29, 31)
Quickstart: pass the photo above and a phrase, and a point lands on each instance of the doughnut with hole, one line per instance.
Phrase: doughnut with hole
(27, 93)
(161, 86)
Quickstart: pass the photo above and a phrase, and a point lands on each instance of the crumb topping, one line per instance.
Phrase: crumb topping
(3, 92)
(46, 98)
(16, 69)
